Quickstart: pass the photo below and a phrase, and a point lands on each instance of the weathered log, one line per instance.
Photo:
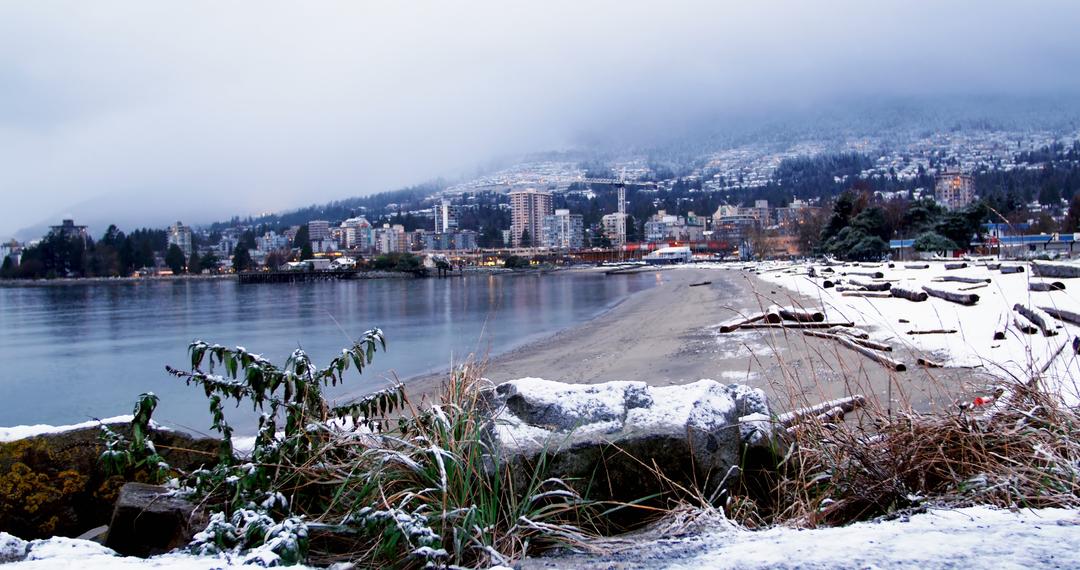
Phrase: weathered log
(772, 314)
(960, 279)
(827, 284)
(951, 296)
(917, 266)
(1024, 325)
(801, 315)
(973, 287)
(1038, 318)
(1046, 286)
(932, 331)
(863, 342)
(927, 363)
(790, 325)
(1007, 269)
(870, 286)
(909, 294)
(734, 324)
(993, 266)
(850, 331)
(999, 335)
(870, 294)
(1059, 270)
(846, 404)
(1063, 315)
(873, 354)
(951, 266)
(871, 274)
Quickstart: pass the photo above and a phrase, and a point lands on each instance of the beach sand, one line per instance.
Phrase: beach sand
(667, 335)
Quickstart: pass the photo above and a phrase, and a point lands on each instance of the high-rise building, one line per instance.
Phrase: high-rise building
(527, 211)
(563, 230)
(318, 230)
(954, 190)
(68, 229)
(614, 228)
(356, 233)
(445, 217)
(180, 236)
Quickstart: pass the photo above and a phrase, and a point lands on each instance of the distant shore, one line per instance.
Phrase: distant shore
(68, 281)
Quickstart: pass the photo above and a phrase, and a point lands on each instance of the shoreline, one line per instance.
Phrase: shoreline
(667, 335)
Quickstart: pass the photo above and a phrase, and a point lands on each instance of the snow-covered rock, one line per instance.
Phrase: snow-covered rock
(610, 434)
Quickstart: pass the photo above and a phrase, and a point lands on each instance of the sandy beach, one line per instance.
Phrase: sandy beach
(667, 335)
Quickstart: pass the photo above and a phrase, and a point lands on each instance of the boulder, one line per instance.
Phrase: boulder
(150, 519)
(55, 485)
(623, 441)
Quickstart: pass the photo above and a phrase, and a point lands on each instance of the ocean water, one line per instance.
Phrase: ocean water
(72, 353)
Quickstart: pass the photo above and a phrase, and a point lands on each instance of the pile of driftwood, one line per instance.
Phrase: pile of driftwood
(812, 322)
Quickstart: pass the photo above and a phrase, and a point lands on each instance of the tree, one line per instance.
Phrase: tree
(209, 261)
(241, 260)
(1072, 219)
(526, 238)
(174, 259)
(7, 270)
(930, 241)
(302, 237)
(306, 252)
(194, 264)
(275, 260)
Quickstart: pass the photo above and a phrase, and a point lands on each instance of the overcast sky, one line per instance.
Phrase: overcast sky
(200, 110)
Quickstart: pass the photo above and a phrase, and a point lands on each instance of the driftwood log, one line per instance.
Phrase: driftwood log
(1023, 325)
(1059, 270)
(917, 266)
(932, 331)
(1007, 269)
(1046, 286)
(951, 266)
(801, 315)
(734, 324)
(951, 296)
(960, 279)
(870, 286)
(927, 363)
(1063, 315)
(860, 341)
(973, 287)
(872, 354)
(772, 314)
(870, 274)
(760, 325)
(850, 331)
(1038, 318)
(993, 266)
(847, 404)
(870, 294)
(909, 294)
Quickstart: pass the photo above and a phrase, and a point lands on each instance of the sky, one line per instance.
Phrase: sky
(148, 112)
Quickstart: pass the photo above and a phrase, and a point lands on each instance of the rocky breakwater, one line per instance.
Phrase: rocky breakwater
(622, 441)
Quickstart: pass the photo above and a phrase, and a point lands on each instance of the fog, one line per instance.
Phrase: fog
(143, 113)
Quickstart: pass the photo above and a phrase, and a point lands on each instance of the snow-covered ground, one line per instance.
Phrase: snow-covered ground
(22, 432)
(976, 537)
(890, 319)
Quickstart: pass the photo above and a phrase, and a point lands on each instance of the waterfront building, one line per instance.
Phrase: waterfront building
(954, 190)
(391, 239)
(614, 226)
(356, 233)
(445, 217)
(666, 227)
(69, 230)
(180, 236)
(318, 230)
(563, 230)
(527, 211)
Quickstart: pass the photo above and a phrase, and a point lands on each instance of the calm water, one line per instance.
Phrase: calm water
(72, 353)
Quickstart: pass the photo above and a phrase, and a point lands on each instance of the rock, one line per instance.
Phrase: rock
(12, 548)
(150, 519)
(54, 484)
(605, 438)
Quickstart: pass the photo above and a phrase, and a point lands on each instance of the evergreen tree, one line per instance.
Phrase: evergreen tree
(209, 261)
(174, 259)
(7, 270)
(306, 251)
(194, 264)
(241, 260)
(526, 238)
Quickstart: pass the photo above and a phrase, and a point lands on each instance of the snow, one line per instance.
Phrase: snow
(22, 432)
(58, 553)
(973, 346)
(965, 538)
